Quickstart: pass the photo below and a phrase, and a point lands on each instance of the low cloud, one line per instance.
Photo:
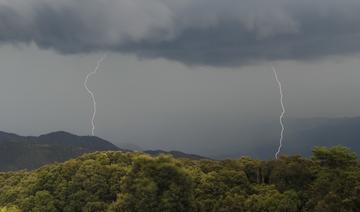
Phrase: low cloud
(200, 32)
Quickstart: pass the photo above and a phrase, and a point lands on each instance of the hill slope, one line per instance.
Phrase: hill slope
(19, 152)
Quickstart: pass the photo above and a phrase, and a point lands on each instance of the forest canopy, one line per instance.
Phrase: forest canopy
(119, 181)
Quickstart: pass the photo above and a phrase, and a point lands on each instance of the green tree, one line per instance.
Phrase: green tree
(334, 157)
(10, 209)
(268, 199)
(41, 201)
(155, 185)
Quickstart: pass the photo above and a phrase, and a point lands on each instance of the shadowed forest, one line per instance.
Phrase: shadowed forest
(129, 181)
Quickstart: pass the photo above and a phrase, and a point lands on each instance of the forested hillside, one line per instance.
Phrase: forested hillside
(117, 181)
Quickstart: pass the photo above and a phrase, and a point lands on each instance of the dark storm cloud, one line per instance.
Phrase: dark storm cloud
(210, 32)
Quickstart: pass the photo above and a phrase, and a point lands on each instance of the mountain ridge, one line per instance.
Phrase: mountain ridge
(30, 152)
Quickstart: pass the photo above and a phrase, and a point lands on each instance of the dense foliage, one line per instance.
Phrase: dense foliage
(117, 181)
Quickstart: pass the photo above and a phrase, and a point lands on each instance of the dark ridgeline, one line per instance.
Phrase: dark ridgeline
(30, 152)
(20, 152)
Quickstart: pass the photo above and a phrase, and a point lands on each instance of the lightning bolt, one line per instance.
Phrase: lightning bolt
(98, 63)
(282, 113)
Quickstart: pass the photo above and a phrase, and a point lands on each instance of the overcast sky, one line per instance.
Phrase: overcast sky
(187, 75)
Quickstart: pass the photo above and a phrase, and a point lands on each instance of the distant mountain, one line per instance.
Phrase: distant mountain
(301, 135)
(30, 152)
(20, 152)
(305, 133)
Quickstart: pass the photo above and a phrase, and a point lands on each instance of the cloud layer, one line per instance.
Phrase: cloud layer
(209, 32)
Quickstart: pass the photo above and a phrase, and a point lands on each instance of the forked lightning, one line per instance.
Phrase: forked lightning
(282, 113)
(92, 94)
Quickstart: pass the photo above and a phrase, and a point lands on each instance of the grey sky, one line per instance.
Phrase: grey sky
(164, 104)
(191, 75)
